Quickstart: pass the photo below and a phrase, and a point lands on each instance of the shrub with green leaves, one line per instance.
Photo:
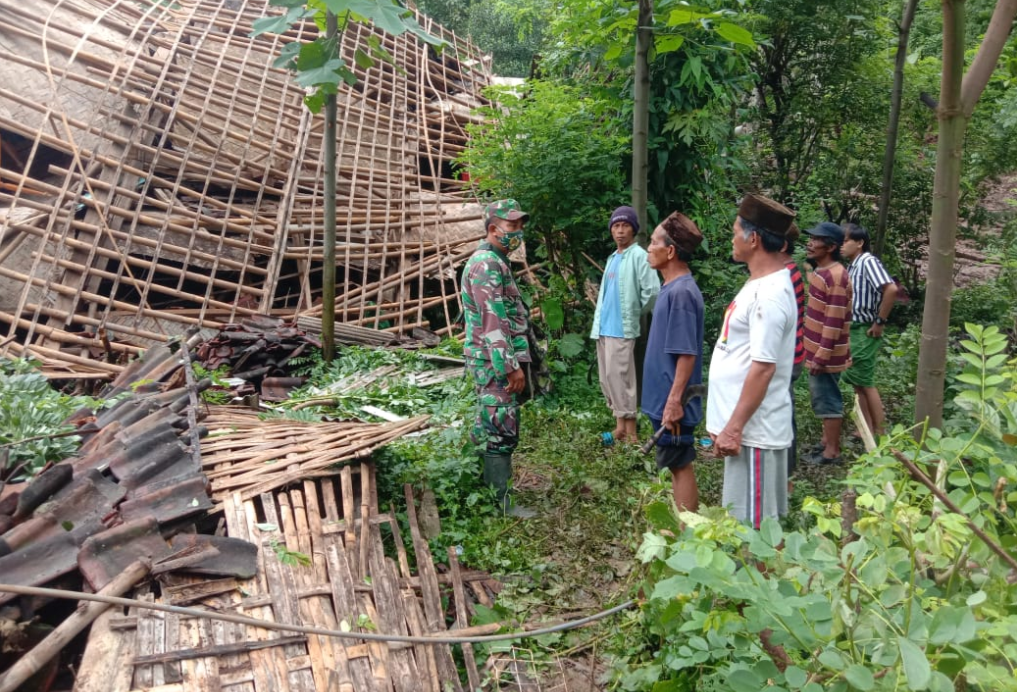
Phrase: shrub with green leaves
(912, 599)
(32, 415)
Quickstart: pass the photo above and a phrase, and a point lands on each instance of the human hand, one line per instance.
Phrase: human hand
(875, 331)
(728, 443)
(813, 368)
(673, 413)
(516, 381)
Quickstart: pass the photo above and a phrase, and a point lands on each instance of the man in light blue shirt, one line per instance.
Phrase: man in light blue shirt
(629, 284)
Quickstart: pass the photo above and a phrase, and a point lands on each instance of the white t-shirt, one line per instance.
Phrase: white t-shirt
(759, 325)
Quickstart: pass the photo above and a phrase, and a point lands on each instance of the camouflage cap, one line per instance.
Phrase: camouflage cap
(507, 209)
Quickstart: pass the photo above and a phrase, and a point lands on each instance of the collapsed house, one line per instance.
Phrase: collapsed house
(161, 182)
(275, 519)
(157, 173)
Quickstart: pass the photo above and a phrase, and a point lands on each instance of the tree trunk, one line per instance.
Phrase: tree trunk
(328, 267)
(891, 129)
(959, 93)
(641, 113)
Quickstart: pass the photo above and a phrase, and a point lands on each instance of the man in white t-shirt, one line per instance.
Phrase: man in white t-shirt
(748, 411)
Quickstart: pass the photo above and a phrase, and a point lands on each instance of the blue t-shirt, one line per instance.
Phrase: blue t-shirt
(610, 309)
(676, 329)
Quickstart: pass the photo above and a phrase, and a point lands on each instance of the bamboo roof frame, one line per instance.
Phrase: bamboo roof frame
(156, 172)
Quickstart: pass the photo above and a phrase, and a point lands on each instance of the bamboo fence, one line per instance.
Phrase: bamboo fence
(156, 173)
(345, 582)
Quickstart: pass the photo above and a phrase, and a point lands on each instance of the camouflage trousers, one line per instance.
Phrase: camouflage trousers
(496, 428)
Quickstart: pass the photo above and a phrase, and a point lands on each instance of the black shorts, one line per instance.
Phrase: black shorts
(676, 453)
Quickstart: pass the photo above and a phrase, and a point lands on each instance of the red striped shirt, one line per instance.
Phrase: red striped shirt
(828, 319)
(799, 285)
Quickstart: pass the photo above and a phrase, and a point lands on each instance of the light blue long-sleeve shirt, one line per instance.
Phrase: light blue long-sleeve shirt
(637, 285)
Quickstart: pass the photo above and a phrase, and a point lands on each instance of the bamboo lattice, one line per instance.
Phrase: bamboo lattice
(156, 172)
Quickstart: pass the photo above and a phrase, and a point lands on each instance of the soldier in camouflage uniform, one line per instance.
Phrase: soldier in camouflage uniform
(496, 348)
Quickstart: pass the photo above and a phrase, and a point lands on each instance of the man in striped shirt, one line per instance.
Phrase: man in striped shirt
(874, 295)
(799, 362)
(827, 322)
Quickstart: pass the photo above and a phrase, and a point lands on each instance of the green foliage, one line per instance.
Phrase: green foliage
(318, 64)
(806, 82)
(911, 599)
(988, 303)
(289, 557)
(219, 393)
(32, 416)
(556, 149)
(698, 74)
(511, 32)
(338, 389)
(897, 365)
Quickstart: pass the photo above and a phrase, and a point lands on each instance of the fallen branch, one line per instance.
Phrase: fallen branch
(920, 476)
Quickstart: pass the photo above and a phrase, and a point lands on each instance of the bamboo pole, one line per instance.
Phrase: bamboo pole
(61, 636)
(120, 235)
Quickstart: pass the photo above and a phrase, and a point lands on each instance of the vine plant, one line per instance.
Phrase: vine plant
(910, 595)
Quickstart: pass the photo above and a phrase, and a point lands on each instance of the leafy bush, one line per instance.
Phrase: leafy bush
(556, 149)
(32, 414)
(987, 303)
(911, 598)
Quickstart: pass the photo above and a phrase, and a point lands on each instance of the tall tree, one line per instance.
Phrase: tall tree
(806, 70)
(889, 154)
(641, 110)
(959, 94)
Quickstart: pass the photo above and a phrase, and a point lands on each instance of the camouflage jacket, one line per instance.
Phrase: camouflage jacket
(496, 318)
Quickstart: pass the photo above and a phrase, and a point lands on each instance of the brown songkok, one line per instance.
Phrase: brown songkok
(682, 231)
(767, 214)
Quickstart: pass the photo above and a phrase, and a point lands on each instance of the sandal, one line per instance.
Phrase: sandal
(820, 460)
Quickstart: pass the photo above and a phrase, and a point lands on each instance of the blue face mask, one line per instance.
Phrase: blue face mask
(512, 240)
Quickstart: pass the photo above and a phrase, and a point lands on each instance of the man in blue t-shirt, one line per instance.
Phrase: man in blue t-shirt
(674, 355)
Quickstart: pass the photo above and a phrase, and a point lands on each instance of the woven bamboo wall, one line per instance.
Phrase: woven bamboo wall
(156, 172)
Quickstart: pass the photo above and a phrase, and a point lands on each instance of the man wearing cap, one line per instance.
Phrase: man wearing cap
(629, 284)
(495, 348)
(674, 355)
(748, 410)
(827, 330)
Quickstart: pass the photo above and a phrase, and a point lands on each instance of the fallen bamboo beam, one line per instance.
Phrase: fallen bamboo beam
(65, 357)
(53, 644)
(127, 238)
(110, 326)
(145, 288)
(68, 337)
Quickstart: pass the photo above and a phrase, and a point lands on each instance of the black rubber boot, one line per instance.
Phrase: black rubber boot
(498, 473)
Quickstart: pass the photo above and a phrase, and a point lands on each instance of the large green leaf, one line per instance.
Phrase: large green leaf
(278, 25)
(571, 345)
(362, 59)
(554, 313)
(916, 666)
(329, 73)
(666, 43)
(745, 681)
(685, 16)
(795, 677)
(735, 34)
(771, 532)
(860, 677)
(311, 56)
(660, 517)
